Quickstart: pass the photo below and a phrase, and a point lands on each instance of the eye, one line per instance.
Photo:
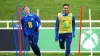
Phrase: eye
(65, 8)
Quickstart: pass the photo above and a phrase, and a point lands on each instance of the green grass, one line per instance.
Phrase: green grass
(50, 54)
(50, 8)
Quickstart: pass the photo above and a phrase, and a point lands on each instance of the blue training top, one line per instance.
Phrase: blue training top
(29, 23)
(57, 25)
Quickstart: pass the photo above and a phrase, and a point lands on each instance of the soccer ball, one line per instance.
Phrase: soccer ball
(88, 42)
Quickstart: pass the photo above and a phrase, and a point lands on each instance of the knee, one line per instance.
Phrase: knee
(62, 47)
(34, 44)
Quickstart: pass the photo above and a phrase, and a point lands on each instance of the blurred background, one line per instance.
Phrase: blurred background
(47, 11)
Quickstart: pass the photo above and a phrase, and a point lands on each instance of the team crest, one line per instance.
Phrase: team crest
(32, 18)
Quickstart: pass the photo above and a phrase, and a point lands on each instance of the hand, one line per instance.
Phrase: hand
(56, 40)
(73, 36)
(36, 29)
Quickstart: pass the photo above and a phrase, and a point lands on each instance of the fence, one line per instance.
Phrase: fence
(7, 22)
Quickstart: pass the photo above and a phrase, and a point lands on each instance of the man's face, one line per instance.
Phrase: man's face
(66, 9)
(26, 10)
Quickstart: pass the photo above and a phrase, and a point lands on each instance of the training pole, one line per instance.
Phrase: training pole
(90, 29)
(80, 30)
(20, 31)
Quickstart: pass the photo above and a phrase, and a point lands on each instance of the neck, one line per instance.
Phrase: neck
(66, 12)
(28, 13)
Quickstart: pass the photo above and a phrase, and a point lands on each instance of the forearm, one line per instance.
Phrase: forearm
(56, 29)
(73, 25)
(39, 24)
(39, 21)
(73, 29)
(22, 24)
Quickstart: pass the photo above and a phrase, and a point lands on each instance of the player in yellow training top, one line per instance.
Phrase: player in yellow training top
(65, 28)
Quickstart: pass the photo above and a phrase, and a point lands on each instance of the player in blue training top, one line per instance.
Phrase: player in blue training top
(65, 28)
(30, 24)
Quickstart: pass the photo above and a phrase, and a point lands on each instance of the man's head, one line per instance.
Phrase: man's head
(26, 9)
(66, 8)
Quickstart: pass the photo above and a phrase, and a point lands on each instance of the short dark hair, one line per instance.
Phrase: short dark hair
(66, 5)
(25, 6)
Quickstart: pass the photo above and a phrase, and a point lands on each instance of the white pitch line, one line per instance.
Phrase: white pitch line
(53, 21)
(49, 21)
(54, 28)
(52, 51)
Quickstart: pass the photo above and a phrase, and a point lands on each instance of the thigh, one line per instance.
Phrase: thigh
(35, 39)
(30, 39)
(62, 38)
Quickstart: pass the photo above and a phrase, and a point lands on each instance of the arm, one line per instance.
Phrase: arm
(22, 24)
(39, 23)
(73, 25)
(56, 29)
(38, 20)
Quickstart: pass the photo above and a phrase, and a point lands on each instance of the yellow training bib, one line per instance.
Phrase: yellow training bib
(65, 23)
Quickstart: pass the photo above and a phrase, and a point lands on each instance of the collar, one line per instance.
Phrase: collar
(26, 15)
(64, 14)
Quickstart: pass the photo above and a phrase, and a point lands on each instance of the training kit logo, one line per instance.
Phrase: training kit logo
(88, 42)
